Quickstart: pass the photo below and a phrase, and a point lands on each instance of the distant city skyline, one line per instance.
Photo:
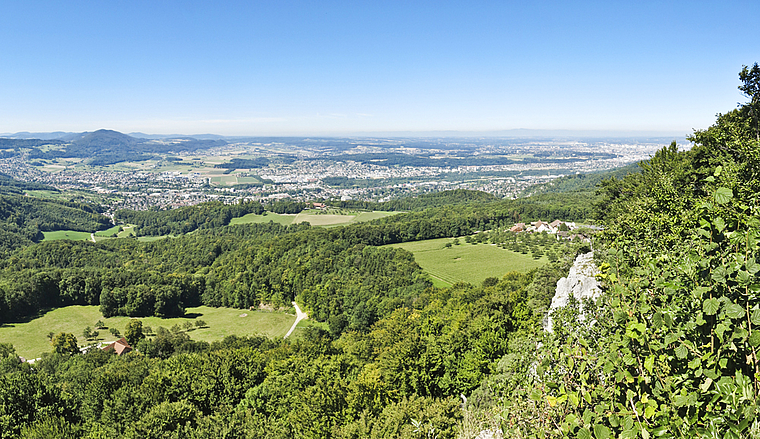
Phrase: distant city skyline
(300, 68)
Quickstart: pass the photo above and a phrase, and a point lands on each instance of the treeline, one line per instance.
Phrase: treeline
(258, 162)
(129, 277)
(436, 199)
(17, 144)
(336, 275)
(186, 219)
(461, 203)
(336, 272)
(580, 182)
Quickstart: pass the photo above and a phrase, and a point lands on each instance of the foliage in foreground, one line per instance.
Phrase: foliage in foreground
(671, 350)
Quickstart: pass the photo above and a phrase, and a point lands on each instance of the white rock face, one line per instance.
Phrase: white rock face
(580, 283)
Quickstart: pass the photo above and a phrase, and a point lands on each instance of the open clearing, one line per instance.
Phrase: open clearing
(30, 338)
(284, 219)
(109, 232)
(67, 234)
(466, 262)
(313, 217)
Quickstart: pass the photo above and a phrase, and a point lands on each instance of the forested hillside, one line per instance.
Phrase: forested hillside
(23, 219)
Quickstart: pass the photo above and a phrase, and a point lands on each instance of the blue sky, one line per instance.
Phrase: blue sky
(332, 68)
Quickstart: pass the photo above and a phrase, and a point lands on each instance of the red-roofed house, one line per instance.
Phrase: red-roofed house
(120, 346)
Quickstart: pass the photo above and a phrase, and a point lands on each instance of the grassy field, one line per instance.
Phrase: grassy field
(466, 262)
(30, 338)
(313, 217)
(85, 236)
(108, 232)
(253, 218)
(67, 234)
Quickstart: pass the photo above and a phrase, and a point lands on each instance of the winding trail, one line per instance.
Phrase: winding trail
(300, 315)
(92, 236)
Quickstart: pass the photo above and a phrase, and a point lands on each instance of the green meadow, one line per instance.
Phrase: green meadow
(467, 262)
(30, 337)
(67, 234)
(109, 232)
(269, 216)
(330, 218)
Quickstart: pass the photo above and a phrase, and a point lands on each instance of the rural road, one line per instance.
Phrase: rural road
(300, 315)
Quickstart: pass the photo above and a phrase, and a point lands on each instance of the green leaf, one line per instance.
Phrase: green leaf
(719, 224)
(752, 266)
(754, 339)
(710, 306)
(614, 420)
(704, 387)
(720, 329)
(584, 433)
(649, 411)
(670, 338)
(649, 363)
(723, 195)
(601, 431)
(755, 318)
(744, 278)
(657, 320)
(572, 420)
(719, 275)
(681, 352)
(574, 400)
(734, 311)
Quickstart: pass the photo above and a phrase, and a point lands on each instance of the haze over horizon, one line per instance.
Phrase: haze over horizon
(341, 68)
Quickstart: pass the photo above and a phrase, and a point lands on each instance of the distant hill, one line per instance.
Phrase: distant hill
(105, 147)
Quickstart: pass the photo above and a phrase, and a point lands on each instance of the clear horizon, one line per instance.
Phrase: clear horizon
(300, 68)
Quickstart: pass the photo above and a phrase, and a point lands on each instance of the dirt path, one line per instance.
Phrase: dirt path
(92, 236)
(300, 315)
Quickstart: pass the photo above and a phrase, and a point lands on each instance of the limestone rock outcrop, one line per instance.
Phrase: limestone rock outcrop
(580, 283)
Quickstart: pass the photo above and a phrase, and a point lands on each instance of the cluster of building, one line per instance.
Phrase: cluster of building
(553, 228)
